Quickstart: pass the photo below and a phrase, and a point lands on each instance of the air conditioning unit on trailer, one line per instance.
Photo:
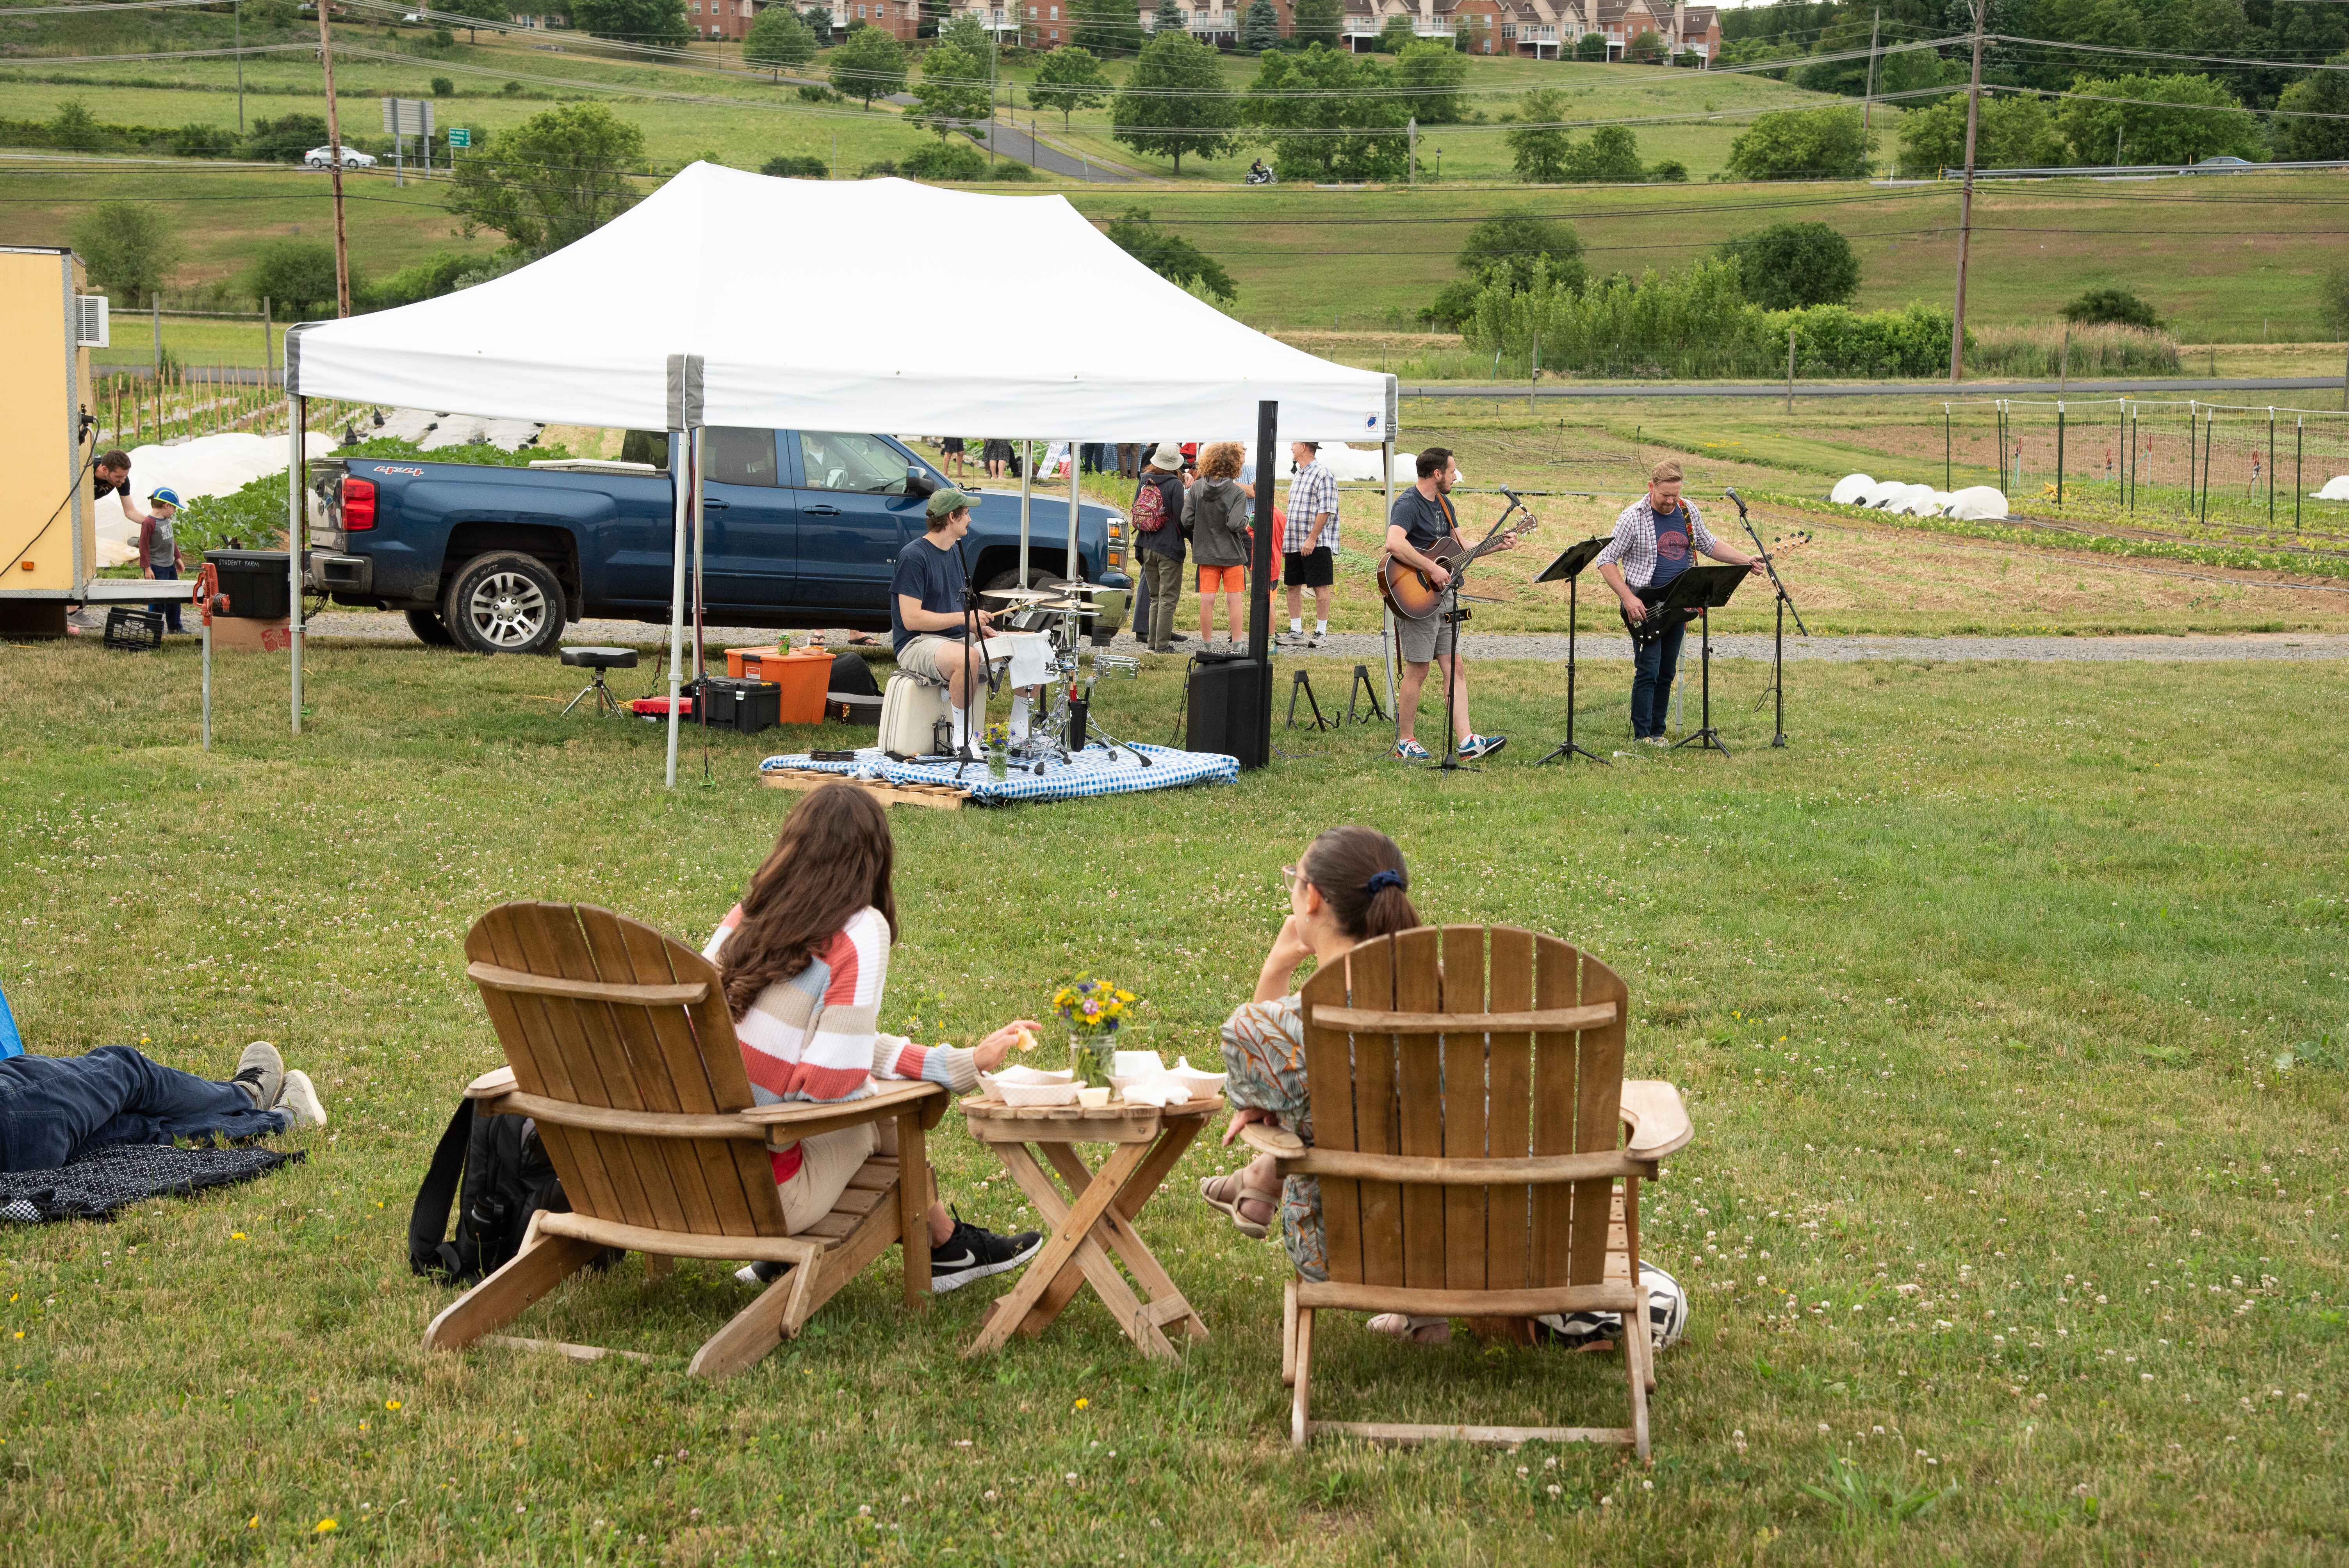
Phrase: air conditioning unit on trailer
(90, 321)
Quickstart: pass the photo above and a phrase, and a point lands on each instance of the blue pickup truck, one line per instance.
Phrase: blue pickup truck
(803, 530)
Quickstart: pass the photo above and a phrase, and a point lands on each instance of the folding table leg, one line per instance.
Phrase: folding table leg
(1175, 1136)
(1070, 1240)
(1167, 1304)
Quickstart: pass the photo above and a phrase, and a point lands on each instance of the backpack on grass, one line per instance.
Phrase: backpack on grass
(507, 1179)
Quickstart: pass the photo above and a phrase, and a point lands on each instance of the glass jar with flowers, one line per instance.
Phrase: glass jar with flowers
(1095, 1009)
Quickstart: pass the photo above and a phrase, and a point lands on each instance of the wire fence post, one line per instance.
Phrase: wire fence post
(2193, 433)
(2059, 454)
(2209, 435)
(1946, 483)
(2272, 466)
(1790, 369)
(2298, 485)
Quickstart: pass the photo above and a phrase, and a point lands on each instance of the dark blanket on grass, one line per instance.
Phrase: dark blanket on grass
(105, 1180)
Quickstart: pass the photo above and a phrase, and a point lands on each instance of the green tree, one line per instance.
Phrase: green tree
(969, 34)
(1167, 18)
(1396, 36)
(634, 21)
(1612, 157)
(1317, 22)
(472, 10)
(74, 128)
(1259, 27)
(795, 166)
(559, 175)
(1591, 47)
(286, 139)
(778, 40)
(1646, 48)
(1071, 78)
(1504, 248)
(1174, 101)
(944, 160)
(1171, 256)
(2332, 301)
(871, 64)
(296, 273)
(127, 248)
(2320, 93)
(1538, 147)
(1345, 102)
(954, 87)
(2096, 307)
(1107, 28)
(1431, 73)
(819, 22)
(443, 88)
(2013, 133)
(1802, 144)
(1792, 266)
(2205, 123)
(1474, 36)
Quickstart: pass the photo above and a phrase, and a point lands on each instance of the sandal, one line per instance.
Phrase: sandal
(1414, 1330)
(1233, 1200)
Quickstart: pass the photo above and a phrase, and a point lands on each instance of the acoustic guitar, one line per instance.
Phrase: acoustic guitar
(1653, 625)
(1414, 596)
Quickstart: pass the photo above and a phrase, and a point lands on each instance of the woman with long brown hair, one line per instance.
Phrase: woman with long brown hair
(804, 958)
(1350, 885)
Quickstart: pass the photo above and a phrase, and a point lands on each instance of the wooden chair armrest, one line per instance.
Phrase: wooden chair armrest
(1655, 1118)
(1277, 1141)
(887, 1099)
(491, 1084)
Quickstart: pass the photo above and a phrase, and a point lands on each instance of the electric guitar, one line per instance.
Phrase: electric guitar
(1413, 594)
(1652, 626)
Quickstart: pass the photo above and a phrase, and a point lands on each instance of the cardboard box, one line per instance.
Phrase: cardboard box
(238, 636)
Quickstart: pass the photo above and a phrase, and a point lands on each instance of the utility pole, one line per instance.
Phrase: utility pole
(1867, 100)
(1411, 132)
(1965, 200)
(335, 167)
(238, 11)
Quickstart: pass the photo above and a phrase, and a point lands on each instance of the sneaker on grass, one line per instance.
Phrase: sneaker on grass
(299, 1099)
(1410, 751)
(261, 1073)
(972, 1254)
(1482, 746)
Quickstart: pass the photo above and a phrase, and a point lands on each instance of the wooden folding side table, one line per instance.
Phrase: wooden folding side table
(1145, 1143)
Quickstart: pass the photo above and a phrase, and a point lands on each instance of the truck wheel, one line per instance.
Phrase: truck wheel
(503, 602)
(428, 629)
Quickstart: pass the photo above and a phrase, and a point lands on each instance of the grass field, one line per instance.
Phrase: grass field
(2009, 1002)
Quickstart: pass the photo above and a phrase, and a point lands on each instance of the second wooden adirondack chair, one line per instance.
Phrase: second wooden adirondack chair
(618, 1043)
(1467, 1092)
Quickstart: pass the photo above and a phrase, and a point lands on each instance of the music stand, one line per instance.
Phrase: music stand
(1703, 589)
(1570, 565)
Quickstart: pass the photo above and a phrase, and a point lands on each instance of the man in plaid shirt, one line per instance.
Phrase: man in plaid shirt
(1305, 546)
(1656, 539)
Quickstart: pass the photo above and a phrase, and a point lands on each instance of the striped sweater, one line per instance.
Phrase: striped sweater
(816, 1036)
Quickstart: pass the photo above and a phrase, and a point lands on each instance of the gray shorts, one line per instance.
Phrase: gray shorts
(1418, 642)
(923, 656)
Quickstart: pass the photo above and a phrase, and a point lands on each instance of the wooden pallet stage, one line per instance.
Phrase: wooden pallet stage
(936, 797)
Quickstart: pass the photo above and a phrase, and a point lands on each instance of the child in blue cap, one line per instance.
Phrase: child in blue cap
(158, 549)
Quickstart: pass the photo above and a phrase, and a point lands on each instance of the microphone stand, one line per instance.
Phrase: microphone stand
(1783, 602)
(968, 751)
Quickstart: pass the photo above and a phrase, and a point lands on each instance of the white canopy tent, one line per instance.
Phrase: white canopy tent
(733, 299)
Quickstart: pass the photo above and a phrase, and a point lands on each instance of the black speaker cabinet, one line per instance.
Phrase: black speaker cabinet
(1229, 709)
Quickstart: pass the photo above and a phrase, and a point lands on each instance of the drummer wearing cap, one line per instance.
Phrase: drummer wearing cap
(926, 615)
(159, 548)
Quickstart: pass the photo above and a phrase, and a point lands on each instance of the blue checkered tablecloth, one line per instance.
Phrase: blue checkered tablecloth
(1096, 770)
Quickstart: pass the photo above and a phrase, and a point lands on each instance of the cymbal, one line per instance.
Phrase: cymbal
(1087, 588)
(1018, 596)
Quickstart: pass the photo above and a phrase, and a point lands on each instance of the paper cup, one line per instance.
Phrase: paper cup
(1094, 1099)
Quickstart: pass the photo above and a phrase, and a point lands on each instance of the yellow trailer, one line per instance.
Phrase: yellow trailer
(49, 524)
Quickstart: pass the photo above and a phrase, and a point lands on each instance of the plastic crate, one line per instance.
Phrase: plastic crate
(133, 630)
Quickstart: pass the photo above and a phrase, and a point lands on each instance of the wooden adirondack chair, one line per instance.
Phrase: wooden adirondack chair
(618, 1042)
(1467, 1090)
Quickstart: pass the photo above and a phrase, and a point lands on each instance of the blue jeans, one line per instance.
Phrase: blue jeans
(168, 608)
(1651, 680)
(53, 1107)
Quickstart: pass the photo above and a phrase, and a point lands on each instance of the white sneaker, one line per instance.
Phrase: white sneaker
(300, 1099)
(261, 1073)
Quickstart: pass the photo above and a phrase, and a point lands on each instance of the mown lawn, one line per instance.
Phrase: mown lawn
(2010, 1005)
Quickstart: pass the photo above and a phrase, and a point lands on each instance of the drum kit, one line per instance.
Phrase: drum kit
(1062, 613)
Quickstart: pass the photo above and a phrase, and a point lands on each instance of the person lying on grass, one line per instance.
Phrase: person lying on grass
(1348, 886)
(53, 1110)
(804, 957)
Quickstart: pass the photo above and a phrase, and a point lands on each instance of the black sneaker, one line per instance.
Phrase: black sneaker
(974, 1254)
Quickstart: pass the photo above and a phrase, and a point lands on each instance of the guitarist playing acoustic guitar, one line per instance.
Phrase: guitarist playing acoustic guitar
(1656, 538)
(1422, 516)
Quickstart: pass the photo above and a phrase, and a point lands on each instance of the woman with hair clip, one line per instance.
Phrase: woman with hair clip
(1348, 886)
(804, 958)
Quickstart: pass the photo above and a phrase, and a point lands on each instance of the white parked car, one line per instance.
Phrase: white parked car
(320, 157)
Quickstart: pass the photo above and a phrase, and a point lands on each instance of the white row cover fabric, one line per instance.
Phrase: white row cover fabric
(874, 304)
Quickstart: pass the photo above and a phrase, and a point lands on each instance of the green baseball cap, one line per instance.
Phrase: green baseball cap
(946, 503)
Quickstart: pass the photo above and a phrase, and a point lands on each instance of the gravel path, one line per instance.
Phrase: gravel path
(368, 626)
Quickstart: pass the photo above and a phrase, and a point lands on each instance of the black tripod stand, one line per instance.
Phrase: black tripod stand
(1785, 602)
(1570, 565)
(1701, 589)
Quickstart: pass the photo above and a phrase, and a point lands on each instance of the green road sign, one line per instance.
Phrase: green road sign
(460, 137)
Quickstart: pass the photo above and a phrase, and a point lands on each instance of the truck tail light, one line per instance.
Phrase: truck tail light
(358, 504)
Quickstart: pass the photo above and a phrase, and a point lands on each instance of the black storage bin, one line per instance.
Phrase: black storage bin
(255, 581)
(746, 707)
(1229, 707)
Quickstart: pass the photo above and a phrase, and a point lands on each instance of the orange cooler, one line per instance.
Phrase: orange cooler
(806, 674)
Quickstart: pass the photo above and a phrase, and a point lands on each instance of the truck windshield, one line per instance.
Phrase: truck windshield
(836, 461)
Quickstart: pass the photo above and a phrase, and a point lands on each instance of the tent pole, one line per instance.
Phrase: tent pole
(1027, 481)
(1386, 628)
(677, 502)
(701, 538)
(297, 409)
(1076, 572)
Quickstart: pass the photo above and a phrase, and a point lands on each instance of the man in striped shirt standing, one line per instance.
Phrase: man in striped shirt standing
(1308, 545)
(1657, 538)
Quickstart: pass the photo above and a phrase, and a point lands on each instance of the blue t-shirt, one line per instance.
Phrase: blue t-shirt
(930, 576)
(1672, 546)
